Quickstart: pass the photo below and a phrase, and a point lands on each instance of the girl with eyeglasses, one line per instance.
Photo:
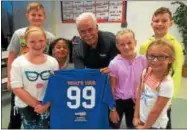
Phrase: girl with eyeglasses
(29, 78)
(157, 87)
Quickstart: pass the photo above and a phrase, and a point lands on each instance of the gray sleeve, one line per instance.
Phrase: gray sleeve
(50, 37)
(14, 44)
(16, 75)
(77, 60)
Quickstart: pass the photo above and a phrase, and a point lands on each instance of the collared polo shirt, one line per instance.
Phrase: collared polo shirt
(86, 57)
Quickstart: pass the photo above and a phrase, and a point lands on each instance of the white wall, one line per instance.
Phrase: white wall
(139, 15)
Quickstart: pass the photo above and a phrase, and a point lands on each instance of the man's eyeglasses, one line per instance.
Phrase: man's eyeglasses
(159, 57)
(33, 75)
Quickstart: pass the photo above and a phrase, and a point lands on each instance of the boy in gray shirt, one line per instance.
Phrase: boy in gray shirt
(36, 15)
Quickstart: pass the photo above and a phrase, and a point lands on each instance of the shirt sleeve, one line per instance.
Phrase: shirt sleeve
(177, 67)
(144, 61)
(108, 97)
(16, 75)
(77, 60)
(166, 89)
(144, 46)
(112, 68)
(51, 38)
(55, 65)
(14, 44)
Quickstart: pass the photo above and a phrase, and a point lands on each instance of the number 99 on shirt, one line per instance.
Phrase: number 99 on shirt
(76, 97)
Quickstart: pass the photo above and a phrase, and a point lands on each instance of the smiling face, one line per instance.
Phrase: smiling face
(159, 58)
(161, 23)
(60, 50)
(88, 30)
(126, 45)
(36, 17)
(36, 41)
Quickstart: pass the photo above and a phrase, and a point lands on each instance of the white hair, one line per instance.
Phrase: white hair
(84, 15)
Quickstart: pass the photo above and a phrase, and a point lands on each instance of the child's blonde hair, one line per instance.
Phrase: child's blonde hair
(35, 6)
(124, 31)
(162, 10)
(32, 29)
(165, 45)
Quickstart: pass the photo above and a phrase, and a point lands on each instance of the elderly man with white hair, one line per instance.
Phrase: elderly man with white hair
(96, 48)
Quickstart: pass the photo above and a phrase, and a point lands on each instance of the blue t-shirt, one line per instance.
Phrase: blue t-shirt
(79, 99)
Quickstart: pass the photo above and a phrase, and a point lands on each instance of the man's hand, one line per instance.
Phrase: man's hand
(114, 117)
(105, 70)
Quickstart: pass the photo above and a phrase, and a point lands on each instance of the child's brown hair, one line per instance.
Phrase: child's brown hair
(162, 10)
(35, 6)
